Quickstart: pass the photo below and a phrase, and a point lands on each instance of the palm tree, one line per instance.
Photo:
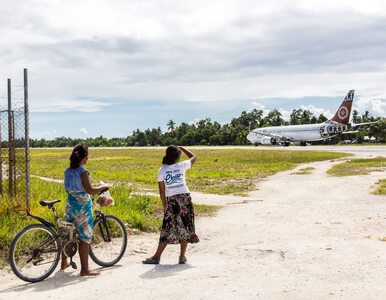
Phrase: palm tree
(171, 125)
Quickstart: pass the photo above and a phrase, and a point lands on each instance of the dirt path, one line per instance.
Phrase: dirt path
(297, 237)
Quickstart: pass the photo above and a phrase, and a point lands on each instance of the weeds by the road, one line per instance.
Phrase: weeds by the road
(380, 187)
(358, 167)
(228, 171)
(216, 171)
(303, 171)
(138, 211)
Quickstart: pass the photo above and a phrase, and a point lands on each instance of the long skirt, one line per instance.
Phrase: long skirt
(79, 212)
(178, 222)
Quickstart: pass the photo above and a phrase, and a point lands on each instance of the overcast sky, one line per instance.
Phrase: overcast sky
(109, 67)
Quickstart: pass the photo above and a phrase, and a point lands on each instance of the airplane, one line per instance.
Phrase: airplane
(302, 134)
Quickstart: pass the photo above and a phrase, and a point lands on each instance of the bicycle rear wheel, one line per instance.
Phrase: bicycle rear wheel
(109, 241)
(34, 253)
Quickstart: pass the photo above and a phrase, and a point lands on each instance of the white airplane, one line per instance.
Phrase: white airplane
(302, 134)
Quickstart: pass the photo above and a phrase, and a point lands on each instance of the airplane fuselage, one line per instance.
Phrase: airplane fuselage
(295, 133)
(308, 132)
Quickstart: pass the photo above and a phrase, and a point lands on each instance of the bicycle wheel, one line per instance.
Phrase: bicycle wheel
(109, 241)
(34, 253)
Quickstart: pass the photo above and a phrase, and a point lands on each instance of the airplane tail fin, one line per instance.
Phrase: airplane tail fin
(342, 115)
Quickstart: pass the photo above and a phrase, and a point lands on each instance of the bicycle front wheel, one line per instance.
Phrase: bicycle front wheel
(109, 241)
(34, 253)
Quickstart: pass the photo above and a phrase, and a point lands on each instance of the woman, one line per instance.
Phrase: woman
(79, 205)
(178, 221)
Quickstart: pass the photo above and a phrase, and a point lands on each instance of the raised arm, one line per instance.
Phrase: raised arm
(87, 185)
(189, 154)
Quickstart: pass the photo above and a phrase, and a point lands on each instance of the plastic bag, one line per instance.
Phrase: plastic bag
(105, 199)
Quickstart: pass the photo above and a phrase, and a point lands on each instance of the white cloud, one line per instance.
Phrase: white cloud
(219, 51)
(47, 134)
(286, 113)
(317, 111)
(84, 131)
(376, 107)
(62, 105)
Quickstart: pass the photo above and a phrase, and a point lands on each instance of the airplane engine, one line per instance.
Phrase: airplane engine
(267, 141)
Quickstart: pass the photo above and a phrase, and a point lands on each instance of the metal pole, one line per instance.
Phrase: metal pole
(1, 160)
(10, 152)
(14, 166)
(26, 128)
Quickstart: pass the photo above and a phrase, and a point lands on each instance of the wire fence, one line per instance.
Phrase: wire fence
(14, 149)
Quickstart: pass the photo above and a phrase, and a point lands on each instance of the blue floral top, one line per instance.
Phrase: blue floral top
(72, 180)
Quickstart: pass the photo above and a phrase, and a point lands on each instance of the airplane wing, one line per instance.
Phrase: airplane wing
(276, 136)
(349, 132)
(360, 124)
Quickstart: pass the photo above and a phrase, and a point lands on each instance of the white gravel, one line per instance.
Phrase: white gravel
(295, 237)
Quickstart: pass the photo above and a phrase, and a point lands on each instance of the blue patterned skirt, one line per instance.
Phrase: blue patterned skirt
(79, 212)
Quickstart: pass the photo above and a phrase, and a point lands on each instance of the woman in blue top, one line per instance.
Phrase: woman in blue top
(178, 222)
(79, 204)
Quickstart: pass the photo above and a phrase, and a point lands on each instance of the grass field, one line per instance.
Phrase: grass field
(216, 171)
(227, 171)
(362, 167)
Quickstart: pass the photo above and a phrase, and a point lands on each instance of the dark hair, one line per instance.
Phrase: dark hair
(78, 153)
(173, 154)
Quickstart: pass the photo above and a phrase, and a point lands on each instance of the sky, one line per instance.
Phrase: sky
(109, 67)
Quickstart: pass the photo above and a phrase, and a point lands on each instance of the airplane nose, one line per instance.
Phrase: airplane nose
(250, 137)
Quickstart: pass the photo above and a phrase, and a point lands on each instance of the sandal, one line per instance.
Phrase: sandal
(150, 261)
(183, 261)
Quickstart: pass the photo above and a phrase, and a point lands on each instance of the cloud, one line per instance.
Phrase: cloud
(83, 131)
(47, 134)
(376, 107)
(83, 54)
(64, 105)
(287, 112)
(317, 111)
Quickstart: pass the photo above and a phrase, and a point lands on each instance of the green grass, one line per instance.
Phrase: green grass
(381, 187)
(140, 212)
(303, 171)
(230, 171)
(358, 167)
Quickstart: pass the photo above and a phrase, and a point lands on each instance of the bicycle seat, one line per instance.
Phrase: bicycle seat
(48, 203)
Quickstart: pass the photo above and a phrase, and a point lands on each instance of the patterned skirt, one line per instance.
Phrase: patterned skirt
(79, 212)
(178, 222)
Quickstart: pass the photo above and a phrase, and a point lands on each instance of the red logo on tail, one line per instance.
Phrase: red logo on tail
(342, 116)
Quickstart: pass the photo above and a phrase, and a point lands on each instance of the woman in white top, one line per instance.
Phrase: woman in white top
(178, 221)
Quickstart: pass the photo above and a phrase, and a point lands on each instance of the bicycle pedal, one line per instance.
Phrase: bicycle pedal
(73, 265)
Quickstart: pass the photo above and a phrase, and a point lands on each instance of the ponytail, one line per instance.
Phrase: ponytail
(173, 154)
(78, 153)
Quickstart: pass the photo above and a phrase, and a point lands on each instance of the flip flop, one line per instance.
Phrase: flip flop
(150, 261)
(183, 261)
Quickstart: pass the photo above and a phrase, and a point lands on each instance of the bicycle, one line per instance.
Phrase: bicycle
(35, 251)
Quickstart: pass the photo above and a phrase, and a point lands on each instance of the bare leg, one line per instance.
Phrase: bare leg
(83, 253)
(160, 249)
(64, 265)
(184, 246)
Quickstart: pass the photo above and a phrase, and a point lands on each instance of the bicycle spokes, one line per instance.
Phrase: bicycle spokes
(34, 253)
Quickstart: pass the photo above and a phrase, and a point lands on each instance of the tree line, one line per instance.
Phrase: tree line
(208, 132)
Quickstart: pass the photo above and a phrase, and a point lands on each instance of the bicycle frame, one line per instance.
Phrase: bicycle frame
(98, 215)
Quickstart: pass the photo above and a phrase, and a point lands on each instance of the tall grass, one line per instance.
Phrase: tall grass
(380, 187)
(361, 166)
(216, 171)
(141, 212)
